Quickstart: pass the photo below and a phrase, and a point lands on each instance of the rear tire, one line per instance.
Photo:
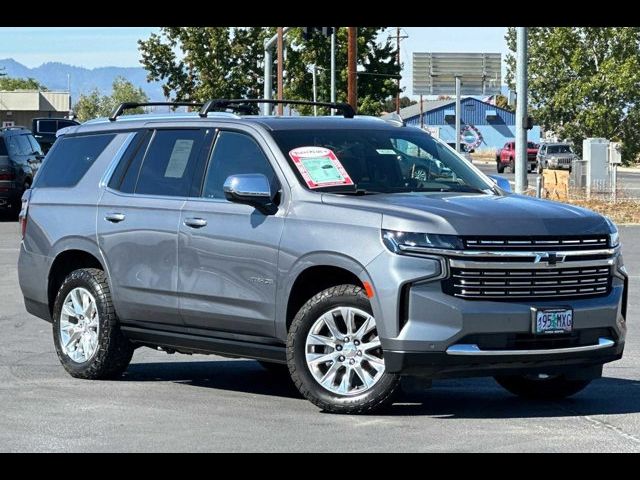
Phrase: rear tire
(550, 388)
(93, 346)
(512, 165)
(354, 364)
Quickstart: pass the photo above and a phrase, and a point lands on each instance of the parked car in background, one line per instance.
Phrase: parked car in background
(20, 157)
(555, 156)
(506, 157)
(44, 130)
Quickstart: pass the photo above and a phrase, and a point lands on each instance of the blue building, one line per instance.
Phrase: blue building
(484, 127)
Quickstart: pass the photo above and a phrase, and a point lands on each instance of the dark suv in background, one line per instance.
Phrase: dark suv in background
(44, 129)
(20, 157)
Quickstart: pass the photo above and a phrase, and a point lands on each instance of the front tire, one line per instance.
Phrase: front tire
(334, 353)
(86, 333)
(499, 167)
(541, 387)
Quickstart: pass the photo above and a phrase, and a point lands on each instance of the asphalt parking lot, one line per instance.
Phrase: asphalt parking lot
(207, 403)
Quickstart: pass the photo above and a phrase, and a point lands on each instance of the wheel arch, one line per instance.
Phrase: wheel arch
(310, 275)
(63, 264)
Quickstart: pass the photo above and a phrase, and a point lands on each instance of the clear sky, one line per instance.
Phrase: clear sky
(108, 46)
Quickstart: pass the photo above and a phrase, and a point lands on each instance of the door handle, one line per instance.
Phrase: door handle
(195, 222)
(114, 217)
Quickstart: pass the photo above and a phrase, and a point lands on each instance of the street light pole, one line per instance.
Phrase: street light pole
(458, 110)
(521, 111)
(280, 68)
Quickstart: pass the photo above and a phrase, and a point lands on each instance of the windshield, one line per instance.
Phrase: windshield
(378, 161)
(531, 145)
(559, 149)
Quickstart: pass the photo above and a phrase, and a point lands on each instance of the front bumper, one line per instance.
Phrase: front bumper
(423, 326)
(446, 365)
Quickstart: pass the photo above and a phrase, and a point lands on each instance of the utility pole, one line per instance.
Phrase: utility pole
(333, 67)
(268, 69)
(398, 62)
(280, 67)
(521, 111)
(352, 52)
(458, 112)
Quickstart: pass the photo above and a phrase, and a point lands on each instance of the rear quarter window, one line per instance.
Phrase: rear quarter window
(70, 159)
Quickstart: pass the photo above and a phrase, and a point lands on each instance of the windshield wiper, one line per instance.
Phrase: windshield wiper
(465, 188)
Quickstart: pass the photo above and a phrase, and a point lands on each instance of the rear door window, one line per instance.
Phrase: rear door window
(70, 159)
(170, 163)
(3, 147)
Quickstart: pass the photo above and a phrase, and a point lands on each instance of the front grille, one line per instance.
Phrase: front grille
(537, 243)
(528, 283)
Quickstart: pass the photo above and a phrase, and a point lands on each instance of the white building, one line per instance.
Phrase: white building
(19, 107)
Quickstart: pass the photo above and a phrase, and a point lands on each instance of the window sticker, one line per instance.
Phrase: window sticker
(319, 167)
(179, 159)
(386, 151)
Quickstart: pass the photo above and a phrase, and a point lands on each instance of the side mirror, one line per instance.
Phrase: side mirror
(502, 182)
(250, 189)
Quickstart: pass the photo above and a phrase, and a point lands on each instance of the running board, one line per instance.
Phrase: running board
(208, 345)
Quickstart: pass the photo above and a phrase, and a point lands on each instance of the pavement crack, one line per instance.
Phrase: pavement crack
(602, 423)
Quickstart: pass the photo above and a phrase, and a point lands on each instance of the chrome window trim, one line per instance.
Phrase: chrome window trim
(470, 349)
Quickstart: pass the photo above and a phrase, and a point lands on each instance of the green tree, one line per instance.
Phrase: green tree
(215, 62)
(377, 68)
(219, 62)
(503, 102)
(583, 82)
(10, 84)
(390, 103)
(94, 105)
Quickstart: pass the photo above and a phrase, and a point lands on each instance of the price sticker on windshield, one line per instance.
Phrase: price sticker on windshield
(319, 167)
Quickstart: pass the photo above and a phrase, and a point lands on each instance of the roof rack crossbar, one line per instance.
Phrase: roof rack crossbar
(129, 105)
(220, 104)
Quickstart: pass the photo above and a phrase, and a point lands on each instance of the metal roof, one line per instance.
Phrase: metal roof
(427, 106)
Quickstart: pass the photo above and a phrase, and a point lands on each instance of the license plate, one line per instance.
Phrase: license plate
(552, 320)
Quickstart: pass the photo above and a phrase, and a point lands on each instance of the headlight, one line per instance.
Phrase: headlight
(395, 240)
(614, 237)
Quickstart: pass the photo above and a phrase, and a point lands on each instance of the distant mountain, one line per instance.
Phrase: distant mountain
(54, 76)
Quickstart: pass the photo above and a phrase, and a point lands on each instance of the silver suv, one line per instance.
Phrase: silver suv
(350, 249)
(555, 156)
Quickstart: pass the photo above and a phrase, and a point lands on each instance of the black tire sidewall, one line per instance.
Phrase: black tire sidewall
(87, 280)
(297, 345)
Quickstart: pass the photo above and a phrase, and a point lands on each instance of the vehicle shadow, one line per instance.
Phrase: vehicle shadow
(234, 375)
(474, 398)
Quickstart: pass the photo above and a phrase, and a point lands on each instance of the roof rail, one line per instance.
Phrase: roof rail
(14, 127)
(243, 105)
(129, 105)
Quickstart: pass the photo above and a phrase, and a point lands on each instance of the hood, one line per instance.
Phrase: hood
(532, 150)
(476, 214)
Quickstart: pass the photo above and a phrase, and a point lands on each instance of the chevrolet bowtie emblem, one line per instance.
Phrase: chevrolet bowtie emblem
(552, 258)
